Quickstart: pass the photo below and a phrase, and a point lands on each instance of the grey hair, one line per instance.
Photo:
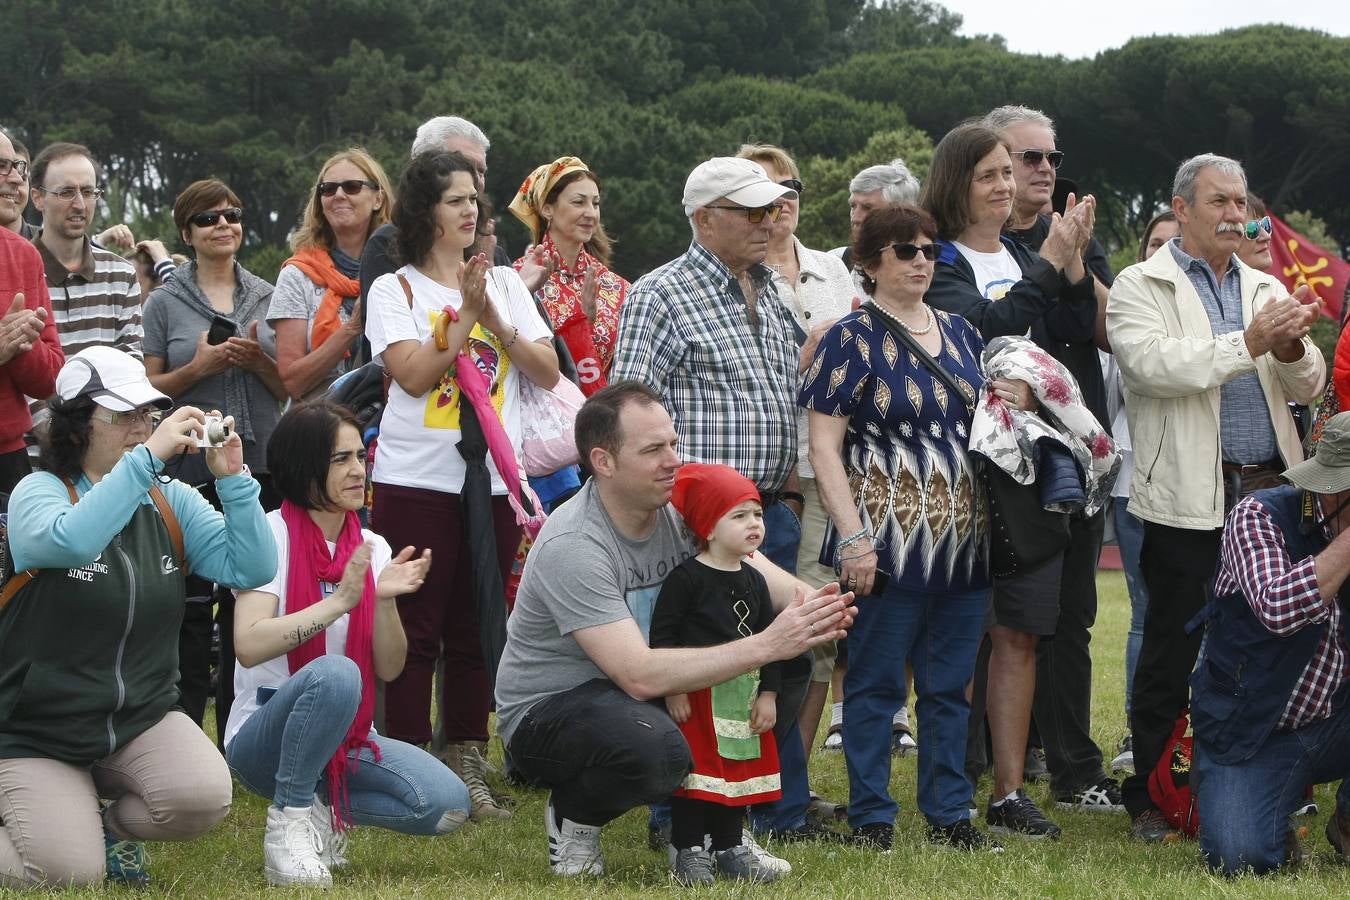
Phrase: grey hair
(894, 179)
(1005, 117)
(433, 133)
(1183, 185)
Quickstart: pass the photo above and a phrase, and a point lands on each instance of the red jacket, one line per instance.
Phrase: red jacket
(32, 373)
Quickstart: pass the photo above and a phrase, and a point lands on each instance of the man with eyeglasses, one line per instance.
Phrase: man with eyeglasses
(708, 333)
(14, 191)
(1062, 703)
(30, 351)
(1210, 351)
(95, 296)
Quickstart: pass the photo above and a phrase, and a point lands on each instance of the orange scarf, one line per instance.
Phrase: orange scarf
(319, 268)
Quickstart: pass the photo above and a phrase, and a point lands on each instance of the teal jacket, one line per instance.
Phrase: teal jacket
(89, 648)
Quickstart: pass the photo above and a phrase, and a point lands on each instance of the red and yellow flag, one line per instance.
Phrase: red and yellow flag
(1299, 261)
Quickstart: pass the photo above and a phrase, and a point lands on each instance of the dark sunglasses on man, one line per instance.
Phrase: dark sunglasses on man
(755, 214)
(1252, 230)
(1033, 157)
(231, 214)
(350, 187)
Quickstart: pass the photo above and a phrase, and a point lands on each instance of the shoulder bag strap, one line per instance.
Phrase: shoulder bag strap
(20, 579)
(170, 522)
(907, 339)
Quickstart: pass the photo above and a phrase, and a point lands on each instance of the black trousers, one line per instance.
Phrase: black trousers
(1062, 707)
(1178, 564)
(600, 751)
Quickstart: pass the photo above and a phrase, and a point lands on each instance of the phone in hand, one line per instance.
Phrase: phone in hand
(222, 329)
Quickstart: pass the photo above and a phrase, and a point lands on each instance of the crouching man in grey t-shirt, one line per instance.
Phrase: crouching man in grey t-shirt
(577, 673)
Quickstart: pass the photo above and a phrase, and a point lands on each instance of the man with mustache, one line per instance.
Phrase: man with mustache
(1211, 352)
(14, 194)
(96, 298)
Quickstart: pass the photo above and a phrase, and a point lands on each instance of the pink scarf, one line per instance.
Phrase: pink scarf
(311, 563)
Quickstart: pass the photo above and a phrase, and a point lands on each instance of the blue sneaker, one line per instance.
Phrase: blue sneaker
(126, 862)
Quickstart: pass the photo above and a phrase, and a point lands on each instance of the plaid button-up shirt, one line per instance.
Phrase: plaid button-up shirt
(1284, 596)
(731, 389)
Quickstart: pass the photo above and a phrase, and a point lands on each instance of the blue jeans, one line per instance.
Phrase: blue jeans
(1130, 538)
(1245, 807)
(939, 635)
(782, 536)
(281, 752)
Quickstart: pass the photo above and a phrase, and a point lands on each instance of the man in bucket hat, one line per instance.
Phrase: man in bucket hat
(1268, 705)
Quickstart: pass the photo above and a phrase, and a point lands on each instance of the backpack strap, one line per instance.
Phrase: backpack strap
(20, 579)
(170, 522)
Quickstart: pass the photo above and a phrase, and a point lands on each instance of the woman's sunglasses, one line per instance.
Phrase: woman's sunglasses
(906, 252)
(351, 187)
(1252, 230)
(792, 184)
(231, 214)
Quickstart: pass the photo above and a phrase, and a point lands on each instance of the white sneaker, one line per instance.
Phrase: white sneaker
(766, 859)
(291, 849)
(573, 849)
(333, 842)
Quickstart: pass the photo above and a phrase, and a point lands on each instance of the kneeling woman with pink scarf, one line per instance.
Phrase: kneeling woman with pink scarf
(310, 646)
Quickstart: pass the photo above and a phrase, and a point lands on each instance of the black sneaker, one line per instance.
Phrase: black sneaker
(807, 831)
(874, 836)
(658, 837)
(1033, 767)
(1104, 796)
(1022, 817)
(961, 835)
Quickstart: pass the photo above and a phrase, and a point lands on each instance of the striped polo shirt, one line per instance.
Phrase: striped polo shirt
(98, 304)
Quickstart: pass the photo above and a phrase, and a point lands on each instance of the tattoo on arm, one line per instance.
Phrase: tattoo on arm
(305, 632)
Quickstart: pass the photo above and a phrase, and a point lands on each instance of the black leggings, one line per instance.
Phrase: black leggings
(691, 819)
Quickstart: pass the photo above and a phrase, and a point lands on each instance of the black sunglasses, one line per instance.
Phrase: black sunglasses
(906, 252)
(792, 183)
(1033, 157)
(231, 214)
(351, 187)
(755, 214)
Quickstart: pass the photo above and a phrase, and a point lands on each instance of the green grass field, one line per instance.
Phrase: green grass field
(1094, 858)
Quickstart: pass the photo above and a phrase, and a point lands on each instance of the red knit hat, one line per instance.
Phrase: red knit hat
(705, 493)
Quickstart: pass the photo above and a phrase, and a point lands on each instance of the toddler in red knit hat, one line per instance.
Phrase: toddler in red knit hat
(711, 599)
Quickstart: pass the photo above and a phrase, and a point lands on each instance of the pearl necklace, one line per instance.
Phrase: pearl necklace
(915, 331)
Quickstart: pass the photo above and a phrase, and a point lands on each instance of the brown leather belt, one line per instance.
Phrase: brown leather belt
(1274, 466)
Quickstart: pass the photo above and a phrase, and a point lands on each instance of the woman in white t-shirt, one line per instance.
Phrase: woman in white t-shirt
(419, 473)
(310, 647)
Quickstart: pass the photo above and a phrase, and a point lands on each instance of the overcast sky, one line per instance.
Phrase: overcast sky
(1074, 28)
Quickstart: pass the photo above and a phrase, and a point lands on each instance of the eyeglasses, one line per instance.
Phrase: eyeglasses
(792, 183)
(1252, 230)
(351, 187)
(906, 252)
(143, 416)
(14, 165)
(1033, 157)
(231, 214)
(755, 214)
(70, 193)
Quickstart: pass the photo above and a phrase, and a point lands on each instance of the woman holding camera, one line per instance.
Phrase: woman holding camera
(87, 655)
(311, 645)
(204, 347)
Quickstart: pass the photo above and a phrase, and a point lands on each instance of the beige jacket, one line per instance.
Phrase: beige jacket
(1173, 366)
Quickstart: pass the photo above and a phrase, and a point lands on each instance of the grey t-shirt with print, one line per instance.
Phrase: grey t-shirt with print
(581, 572)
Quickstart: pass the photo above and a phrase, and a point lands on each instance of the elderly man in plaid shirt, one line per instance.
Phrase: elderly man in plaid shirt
(1269, 694)
(708, 332)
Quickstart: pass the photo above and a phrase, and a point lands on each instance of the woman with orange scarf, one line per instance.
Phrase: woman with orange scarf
(315, 307)
(560, 204)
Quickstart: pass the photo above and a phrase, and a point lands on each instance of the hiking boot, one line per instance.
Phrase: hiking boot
(764, 857)
(468, 760)
(333, 842)
(878, 836)
(291, 848)
(742, 864)
(693, 865)
(126, 861)
(1033, 766)
(962, 835)
(1151, 827)
(834, 738)
(573, 849)
(1021, 816)
(1124, 760)
(1104, 796)
(1338, 831)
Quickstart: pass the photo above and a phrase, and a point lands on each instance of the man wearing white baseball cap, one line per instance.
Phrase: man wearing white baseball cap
(708, 332)
(89, 622)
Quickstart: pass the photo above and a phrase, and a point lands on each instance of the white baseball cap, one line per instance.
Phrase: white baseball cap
(741, 181)
(112, 378)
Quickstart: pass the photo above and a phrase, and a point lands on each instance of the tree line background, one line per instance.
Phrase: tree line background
(259, 92)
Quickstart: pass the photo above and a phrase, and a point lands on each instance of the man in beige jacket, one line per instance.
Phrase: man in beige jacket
(1211, 353)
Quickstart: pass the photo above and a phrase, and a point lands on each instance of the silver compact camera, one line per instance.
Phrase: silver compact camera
(214, 434)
